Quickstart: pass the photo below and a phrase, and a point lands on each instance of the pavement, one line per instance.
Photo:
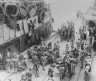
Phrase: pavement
(79, 74)
(6, 76)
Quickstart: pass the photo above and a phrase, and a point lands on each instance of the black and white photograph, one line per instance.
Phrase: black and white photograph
(47, 40)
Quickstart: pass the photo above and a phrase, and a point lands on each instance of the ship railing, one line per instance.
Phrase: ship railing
(4, 1)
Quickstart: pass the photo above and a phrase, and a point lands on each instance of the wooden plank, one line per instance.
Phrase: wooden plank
(1, 40)
(12, 33)
(6, 32)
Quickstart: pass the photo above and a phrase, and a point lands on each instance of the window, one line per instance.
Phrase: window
(34, 21)
(16, 46)
(29, 26)
(22, 25)
(18, 27)
(8, 49)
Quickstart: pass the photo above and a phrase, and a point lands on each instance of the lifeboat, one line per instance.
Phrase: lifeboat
(41, 15)
(31, 10)
(11, 10)
(11, 23)
(2, 16)
(22, 10)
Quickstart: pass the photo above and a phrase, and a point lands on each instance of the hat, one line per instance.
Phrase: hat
(52, 65)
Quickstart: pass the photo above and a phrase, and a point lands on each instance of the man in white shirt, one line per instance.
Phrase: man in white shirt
(8, 61)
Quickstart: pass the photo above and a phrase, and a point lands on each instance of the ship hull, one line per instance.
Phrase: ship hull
(35, 37)
(13, 45)
(21, 44)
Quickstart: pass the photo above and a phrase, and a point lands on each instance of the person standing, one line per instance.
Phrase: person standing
(36, 66)
(8, 61)
(50, 72)
(1, 58)
(29, 75)
(67, 49)
(43, 59)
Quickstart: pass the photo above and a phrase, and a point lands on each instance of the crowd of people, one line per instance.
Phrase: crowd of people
(15, 62)
(67, 31)
(43, 55)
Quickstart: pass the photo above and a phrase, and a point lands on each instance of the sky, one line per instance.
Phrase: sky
(65, 10)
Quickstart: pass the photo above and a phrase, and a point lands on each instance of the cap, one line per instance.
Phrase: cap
(52, 65)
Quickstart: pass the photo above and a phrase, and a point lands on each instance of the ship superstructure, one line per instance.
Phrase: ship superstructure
(23, 24)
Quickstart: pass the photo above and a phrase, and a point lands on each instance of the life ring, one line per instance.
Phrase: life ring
(32, 10)
(11, 23)
(2, 16)
(41, 16)
(22, 11)
(11, 9)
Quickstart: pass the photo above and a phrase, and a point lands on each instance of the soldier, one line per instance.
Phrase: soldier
(82, 58)
(23, 77)
(73, 64)
(43, 61)
(67, 49)
(15, 61)
(87, 74)
(36, 66)
(29, 54)
(75, 53)
(72, 47)
(1, 58)
(50, 72)
(29, 75)
(8, 61)
(62, 72)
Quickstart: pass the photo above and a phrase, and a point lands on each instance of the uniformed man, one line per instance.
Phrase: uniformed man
(67, 49)
(73, 64)
(36, 65)
(23, 77)
(50, 72)
(72, 46)
(8, 61)
(82, 59)
(29, 75)
(1, 58)
(87, 74)
(43, 61)
(75, 53)
(15, 61)
(62, 73)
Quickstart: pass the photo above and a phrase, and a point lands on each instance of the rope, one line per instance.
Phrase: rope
(8, 76)
(45, 77)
